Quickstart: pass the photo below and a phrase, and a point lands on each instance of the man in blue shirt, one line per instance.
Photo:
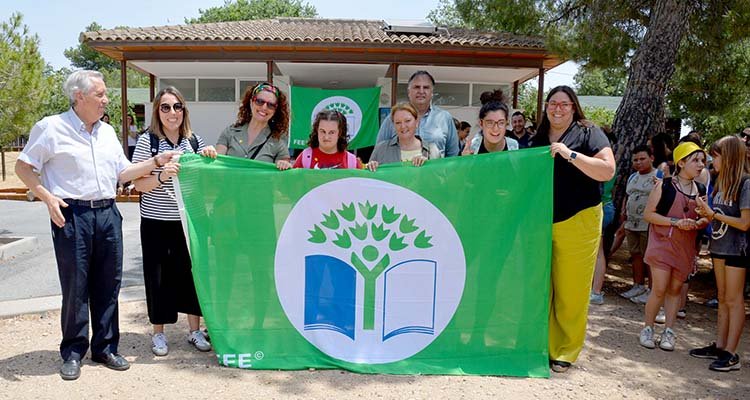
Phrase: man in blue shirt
(435, 124)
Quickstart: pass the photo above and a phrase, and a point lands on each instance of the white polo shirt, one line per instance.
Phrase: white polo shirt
(74, 163)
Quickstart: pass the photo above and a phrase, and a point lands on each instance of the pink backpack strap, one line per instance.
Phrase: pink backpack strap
(351, 161)
(306, 157)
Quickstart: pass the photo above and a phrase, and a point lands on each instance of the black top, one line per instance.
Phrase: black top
(523, 142)
(483, 149)
(573, 190)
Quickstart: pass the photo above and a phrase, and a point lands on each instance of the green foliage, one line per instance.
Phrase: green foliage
(599, 115)
(22, 80)
(527, 97)
(83, 56)
(591, 81)
(245, 10)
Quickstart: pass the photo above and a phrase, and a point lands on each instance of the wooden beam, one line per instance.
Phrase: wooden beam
(539, 97)
(515, 94)
(124, 104)
(344, 58)
(394, 83)
(151, 87)
(269, 71)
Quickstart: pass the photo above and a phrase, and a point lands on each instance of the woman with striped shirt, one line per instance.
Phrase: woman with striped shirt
(167, 270)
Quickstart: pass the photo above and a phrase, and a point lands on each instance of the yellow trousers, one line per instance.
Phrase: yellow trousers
(575, 243)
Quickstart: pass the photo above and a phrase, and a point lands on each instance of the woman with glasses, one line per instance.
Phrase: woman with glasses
(493, 119)
(167, 271)
(583, 160)
(406, 146)
(260, 132)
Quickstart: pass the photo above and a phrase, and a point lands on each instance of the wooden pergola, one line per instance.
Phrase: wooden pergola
(299, 40)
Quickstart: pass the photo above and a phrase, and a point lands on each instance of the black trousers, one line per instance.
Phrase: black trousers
(88, 249)
(167, 271)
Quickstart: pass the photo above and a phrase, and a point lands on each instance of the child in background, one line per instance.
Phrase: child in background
(327, 144)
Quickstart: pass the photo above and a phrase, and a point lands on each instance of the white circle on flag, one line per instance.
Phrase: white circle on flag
(416, 293)
(346, 106)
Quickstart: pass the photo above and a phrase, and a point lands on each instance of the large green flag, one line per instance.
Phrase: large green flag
(359, 106)
(441, 269)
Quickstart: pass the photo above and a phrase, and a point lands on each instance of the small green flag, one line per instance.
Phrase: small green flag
(439, 269)
(359, 106)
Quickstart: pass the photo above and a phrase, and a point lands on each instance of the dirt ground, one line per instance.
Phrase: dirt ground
(612, 365)
(11, 180)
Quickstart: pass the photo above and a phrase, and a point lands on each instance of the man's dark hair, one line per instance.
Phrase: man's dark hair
(464, 125)
(643, 147)
(421, 73)
(519, 113)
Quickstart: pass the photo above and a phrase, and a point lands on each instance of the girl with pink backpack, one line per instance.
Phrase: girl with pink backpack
(327, 145)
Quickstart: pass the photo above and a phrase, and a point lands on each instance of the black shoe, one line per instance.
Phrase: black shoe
(112, 361)
(559, 366)
(708, 352)
(726, 362)
(70, 370)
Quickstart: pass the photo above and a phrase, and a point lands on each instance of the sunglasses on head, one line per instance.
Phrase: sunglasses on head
(177, 107)
(260, 103)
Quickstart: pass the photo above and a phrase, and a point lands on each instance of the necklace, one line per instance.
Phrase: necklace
(686, 196)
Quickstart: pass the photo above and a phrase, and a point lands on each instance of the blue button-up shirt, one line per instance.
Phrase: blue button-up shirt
(436, 126)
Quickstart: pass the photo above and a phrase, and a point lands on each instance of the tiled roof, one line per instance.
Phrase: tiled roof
(311, 31)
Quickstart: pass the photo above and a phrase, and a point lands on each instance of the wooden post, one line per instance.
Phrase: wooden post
(269, 71)
(124, 104)
(540, 97)
(151, 87)
(2, 160)
(394, 83)
(515, 94)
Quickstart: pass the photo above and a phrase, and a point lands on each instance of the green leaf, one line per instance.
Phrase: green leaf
(396, 243)
(368, 210)
(407, 226)
(389, 215)
(379, 232)
(359, 231)
(347, 212)
(423, 241)
(343, 240)
(317, 235)
(331, 221)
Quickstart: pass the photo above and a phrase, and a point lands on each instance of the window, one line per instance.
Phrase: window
(443, 94)
(479, 88)
(216, 90)
(244, 85)
(185, 86)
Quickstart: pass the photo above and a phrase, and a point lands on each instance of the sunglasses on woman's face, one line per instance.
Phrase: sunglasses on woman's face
(260, 103)
(177, 107)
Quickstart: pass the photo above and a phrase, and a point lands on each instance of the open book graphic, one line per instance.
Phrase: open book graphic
(408, 305)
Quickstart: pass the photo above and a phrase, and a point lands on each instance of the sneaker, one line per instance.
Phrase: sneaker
(159, 345)
(205, 335)
(197, 339)
(647, 337)
(660, 317)
(596, 298)
(713, 303)
(726, 362)
(708, 352)
(634, 291)
(682, 314)
(667, 340)
(559, 366)
(641, 298)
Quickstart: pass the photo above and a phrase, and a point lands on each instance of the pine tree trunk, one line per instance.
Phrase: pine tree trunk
(641, 113)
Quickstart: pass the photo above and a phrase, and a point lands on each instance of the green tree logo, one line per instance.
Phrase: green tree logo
(340, 107)
(371, 243)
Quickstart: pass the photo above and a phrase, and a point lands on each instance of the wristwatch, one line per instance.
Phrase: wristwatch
(673, 221)
(573, 156)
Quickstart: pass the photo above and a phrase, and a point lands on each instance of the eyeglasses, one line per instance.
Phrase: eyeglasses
(494, 124)
(565, 105)
(177, 107)
(260, 103)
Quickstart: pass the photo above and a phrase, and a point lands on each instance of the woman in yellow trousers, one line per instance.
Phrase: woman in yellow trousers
(583, 159)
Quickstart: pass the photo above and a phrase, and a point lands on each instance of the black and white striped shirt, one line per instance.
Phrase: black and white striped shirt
(161, 202)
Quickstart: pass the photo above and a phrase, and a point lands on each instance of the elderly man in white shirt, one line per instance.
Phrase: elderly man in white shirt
(80, 161)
